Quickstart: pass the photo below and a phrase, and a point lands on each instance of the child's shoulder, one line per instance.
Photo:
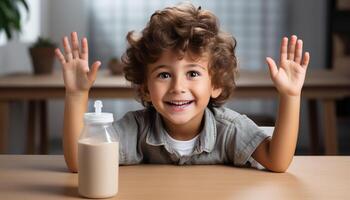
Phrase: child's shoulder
(226, 115)
(138, 116)
(232, 123)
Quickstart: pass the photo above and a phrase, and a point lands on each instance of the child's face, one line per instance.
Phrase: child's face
(180, 90)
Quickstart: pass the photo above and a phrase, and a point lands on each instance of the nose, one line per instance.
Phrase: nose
(178, 85)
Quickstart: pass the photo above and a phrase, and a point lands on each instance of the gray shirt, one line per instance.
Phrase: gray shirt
(227, 137)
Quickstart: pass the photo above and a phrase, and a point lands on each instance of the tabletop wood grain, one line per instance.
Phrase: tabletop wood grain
(308, 177)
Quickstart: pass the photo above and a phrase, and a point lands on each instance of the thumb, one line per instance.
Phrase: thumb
(93, 72)
(272, 66)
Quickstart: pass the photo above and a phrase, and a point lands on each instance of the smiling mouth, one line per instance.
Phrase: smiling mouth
(179, 103)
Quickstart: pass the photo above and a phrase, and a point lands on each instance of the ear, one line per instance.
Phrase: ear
(215, 92)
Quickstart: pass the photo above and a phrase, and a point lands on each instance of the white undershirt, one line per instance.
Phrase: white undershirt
(182, 147)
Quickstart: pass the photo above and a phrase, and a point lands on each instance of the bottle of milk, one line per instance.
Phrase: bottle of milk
(98, 155)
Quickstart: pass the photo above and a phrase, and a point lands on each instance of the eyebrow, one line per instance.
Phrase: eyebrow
(189, 65)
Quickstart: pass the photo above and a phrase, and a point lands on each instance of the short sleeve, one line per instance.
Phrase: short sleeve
(127, 129)
(245, 137)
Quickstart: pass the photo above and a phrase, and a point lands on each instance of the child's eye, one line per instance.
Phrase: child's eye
(192, 74)
(163, 75)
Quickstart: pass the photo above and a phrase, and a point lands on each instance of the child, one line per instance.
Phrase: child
(184, 69)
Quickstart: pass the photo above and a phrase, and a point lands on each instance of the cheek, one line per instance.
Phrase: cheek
(156, 91)
(203, 89)
(205, 85)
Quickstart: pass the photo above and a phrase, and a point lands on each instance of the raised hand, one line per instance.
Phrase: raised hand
(290, 75)
(78, 78)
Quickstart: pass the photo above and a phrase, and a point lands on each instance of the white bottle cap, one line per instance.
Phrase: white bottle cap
(98, 116)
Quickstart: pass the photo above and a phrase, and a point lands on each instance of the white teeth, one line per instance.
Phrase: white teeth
(179, 103)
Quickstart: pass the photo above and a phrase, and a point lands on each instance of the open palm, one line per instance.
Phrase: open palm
(76, 73)
(289, 77)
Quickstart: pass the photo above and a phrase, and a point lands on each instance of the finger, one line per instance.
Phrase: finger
(67, 49)
(298, 51)
(272, 66)
(60, 56)
(306, 60)
(291, 48)
(284, 48)
(84, 49)
(75, 44)
(93, 72)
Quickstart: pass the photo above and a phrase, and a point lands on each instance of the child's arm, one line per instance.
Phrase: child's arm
(78, 79)
(276, 154)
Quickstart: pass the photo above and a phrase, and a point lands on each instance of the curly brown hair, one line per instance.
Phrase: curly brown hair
(182, 29)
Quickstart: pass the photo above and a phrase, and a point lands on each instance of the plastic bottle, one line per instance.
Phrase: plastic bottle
(98, 155)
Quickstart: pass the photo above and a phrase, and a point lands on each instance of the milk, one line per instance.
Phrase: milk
(98, 169)
(98, 155)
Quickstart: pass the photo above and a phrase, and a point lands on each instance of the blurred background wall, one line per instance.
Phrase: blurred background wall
(258, 27)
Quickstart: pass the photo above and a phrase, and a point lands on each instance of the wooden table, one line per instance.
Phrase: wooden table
(309, 177)
(323, 86)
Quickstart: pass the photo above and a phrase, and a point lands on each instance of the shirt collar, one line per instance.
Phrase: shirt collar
(207, 138)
